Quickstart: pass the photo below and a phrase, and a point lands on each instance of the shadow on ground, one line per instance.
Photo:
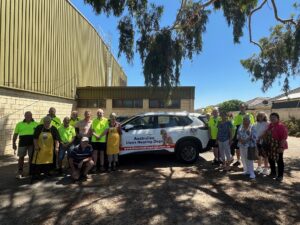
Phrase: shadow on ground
(151, 190)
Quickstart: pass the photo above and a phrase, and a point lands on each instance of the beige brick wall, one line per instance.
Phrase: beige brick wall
(286, 113)
(186, 105)
(13, 104)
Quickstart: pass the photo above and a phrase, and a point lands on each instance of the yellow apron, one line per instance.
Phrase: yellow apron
(45, 154)
(113, 141)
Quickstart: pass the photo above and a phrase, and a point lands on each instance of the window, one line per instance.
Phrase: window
(173, 121)
(127, 103)
(166, 121)
(158, 103)
(146, 122)
(91, 103)
(184, 120)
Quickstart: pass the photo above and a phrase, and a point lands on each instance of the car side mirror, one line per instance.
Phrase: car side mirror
(128, 127)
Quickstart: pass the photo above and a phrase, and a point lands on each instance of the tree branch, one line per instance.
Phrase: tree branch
(249, 23)
(204, 5)
(278, 18)
(183, 4)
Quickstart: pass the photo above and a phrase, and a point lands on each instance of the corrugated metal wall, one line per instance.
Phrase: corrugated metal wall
(48, 47)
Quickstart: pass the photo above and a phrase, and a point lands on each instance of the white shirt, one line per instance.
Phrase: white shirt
(260, 128)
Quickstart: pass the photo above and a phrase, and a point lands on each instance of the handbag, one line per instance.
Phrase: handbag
(252, 153)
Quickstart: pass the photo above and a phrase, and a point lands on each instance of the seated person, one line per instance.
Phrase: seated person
(80, 159)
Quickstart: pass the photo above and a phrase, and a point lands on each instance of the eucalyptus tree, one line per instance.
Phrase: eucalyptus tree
(162, 49)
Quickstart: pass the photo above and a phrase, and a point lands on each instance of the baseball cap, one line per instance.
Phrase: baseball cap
(84, 139)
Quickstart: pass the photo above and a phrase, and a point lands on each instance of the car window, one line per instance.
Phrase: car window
(165, 121)
(143, 122)
(203, 119)
(173, 121)
(184, 121)
(122, 119)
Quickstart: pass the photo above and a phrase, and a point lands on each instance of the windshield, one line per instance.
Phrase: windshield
(127, 120)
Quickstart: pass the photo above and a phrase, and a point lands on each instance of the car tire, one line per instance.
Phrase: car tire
(187, 152)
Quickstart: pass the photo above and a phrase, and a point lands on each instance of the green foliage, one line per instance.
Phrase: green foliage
(229, 106)
(293, 126)
(280, 56)
(235, 12)
(162, 49)
(159, 63)
(126, 39)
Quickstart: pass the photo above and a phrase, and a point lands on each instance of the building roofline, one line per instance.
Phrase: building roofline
(283, 95)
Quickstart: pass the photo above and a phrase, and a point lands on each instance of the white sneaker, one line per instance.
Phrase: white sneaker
(259, 169)
(19, 176)
(265, 171)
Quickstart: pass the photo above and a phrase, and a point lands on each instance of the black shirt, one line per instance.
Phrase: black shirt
(40, 128)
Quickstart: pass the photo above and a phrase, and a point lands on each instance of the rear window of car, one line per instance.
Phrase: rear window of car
(203, 119)
(173, 121)
(184, 121)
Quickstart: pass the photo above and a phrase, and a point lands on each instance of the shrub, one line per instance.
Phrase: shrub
(293, 126)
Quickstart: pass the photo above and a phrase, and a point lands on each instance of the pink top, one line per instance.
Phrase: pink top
(280, 133)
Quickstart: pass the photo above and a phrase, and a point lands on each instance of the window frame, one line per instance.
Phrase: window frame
(98, 103)
(135, 104)
(161, 104)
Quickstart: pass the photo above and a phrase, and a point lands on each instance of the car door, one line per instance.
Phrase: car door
(168, 132)
(202, 131)
(138, 135)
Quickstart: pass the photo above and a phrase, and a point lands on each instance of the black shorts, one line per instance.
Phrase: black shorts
(261, 151)
(99, 146)
(212, 143)
(234, 146)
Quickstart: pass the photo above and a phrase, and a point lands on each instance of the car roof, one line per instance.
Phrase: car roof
(197, 114)
(163, 113)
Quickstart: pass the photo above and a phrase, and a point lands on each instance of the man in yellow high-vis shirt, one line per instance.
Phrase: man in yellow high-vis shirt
(99, 125)
(74, 118)
(213, 122)
(67, 136)
(55, 121)
(24, 130)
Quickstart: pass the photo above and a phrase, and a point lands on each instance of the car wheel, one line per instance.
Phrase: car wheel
(187, 152)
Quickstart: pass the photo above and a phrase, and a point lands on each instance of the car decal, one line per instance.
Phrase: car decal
(150, 147)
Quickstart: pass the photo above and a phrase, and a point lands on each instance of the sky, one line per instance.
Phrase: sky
(216, 73)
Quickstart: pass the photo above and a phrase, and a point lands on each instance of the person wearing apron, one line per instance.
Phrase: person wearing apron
(46, 137)
(113, 134)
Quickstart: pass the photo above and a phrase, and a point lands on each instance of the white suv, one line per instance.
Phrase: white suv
(180, 133)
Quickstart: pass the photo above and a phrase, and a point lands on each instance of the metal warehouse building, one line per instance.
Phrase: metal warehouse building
(47, 50)
(51, 56)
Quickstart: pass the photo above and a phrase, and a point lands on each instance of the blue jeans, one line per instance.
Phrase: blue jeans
(63, 150)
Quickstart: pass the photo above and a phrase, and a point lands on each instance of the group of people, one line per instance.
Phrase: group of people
(82, 141)
(249, 139)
